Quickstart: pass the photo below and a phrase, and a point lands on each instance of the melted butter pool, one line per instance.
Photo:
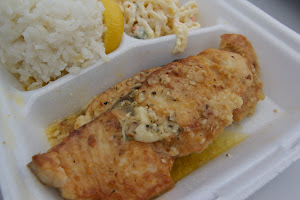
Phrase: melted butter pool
(60, 129)
(185, 165)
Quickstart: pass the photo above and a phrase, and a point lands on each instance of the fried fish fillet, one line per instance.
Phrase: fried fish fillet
(230, 42)
(127, 150)
(107, 99)
(239, 44)
(95, 163)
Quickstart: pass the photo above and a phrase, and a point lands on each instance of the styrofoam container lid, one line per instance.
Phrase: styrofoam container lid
(274, 138)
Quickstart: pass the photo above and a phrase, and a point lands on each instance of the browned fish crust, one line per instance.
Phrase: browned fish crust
(199, 95)
(241, 45)
(107, 99)
(95, 163)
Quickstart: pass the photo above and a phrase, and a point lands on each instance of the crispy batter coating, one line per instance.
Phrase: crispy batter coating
(107, 99)
(174, 110)
(201, 92)
(241, 45)
(95, 163)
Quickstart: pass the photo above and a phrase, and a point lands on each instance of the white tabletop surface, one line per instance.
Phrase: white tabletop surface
(285, 186)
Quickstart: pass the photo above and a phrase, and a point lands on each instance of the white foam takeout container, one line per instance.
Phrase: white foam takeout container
(274, 138)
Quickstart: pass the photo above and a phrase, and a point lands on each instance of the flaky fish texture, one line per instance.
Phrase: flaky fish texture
(125, 144)
(95, 163)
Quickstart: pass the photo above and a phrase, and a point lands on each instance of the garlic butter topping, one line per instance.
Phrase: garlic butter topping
(145, 126)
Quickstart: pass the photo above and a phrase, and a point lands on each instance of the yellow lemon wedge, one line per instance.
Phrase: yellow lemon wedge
(114, 21)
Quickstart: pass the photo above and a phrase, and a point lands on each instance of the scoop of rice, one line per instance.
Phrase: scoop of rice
(41, 40)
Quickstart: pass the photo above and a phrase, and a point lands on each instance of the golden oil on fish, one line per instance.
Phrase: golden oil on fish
(182, 166)
(185, 165)
(60, 129)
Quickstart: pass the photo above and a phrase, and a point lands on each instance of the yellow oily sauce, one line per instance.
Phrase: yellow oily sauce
(60, 129)
(185, 165)
(19, 100)
(182, 166)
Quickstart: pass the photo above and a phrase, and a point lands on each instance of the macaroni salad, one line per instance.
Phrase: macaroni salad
(145, 19)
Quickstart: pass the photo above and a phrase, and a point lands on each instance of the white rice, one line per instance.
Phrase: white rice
(41, 40)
